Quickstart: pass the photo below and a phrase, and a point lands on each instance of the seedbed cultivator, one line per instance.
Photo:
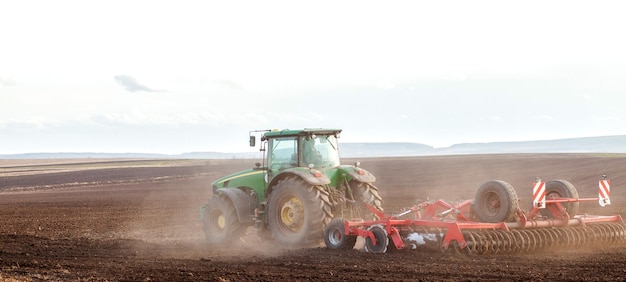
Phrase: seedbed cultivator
(491, 223)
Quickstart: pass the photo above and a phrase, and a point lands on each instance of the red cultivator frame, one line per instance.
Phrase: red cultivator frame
(491, 223)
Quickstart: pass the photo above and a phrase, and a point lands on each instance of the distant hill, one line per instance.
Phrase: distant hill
(384, 149)
(603, 144)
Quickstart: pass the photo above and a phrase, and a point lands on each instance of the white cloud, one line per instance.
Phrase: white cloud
(131, 84)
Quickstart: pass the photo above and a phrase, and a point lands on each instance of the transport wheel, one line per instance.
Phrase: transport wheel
(220, 221)
(297, 212)
(366, 193)
(561, 189)
(381, 240)
(495, 201)
(335, 236)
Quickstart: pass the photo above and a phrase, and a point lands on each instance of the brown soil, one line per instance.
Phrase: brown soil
(141, 223)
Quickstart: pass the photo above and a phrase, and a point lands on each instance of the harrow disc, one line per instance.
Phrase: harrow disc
(381, 240)
(335, 236)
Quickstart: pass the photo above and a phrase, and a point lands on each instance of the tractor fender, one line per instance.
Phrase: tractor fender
(241, 201)
(359, 174)
(312, 177)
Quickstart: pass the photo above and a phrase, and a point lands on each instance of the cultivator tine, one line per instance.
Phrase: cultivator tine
(498, 242)
(523, 241)
(534, 241)
(542, 239)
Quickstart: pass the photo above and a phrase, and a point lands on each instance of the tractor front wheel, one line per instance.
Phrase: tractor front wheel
(297, 212)
(220, 221)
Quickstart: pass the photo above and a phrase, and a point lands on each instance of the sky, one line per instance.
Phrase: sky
(196, 76)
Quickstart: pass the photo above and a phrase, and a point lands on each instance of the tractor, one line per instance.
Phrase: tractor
(291, 196)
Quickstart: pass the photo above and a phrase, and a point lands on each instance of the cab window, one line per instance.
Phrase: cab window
(284, 153)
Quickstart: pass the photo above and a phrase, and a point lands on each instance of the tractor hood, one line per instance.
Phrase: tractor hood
(244, 178)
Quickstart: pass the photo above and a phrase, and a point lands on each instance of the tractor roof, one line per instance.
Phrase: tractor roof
(300, 132)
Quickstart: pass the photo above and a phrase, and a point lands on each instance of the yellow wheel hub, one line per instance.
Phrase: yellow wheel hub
(221, 221)
(292, 214)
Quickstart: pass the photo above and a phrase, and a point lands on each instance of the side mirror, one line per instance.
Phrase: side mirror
(252, 141)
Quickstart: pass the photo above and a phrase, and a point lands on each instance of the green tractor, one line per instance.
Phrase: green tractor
(291, 197)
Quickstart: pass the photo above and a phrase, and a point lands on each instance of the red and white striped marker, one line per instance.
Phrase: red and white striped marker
(604, 192)
(539, 194)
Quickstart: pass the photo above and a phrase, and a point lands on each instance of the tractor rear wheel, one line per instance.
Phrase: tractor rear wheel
(561, 189)
(366, 193)
(335, 236)
(297, 212)
(220, 221)
(495, 201)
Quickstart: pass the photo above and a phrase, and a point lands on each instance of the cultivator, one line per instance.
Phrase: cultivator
(492, 223)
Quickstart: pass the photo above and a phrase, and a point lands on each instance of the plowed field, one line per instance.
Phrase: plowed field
(112, 220)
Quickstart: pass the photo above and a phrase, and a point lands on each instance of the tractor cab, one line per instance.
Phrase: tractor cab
(309, 148)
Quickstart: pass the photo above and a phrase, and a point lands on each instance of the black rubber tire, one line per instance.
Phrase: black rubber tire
(297, 213)
(382, 240)
(561, 189)
(220, 221)
(495, 201)
(335, 236)
(368, 194)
